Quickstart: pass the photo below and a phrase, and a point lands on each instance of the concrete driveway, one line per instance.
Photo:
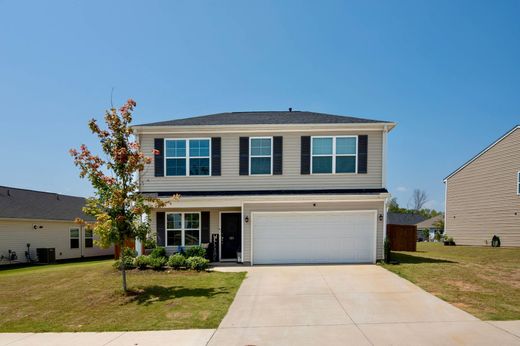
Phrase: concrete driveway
(345, 304)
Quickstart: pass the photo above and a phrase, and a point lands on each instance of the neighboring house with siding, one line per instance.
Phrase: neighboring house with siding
(270, 187)
(483, 195)
(43, 220)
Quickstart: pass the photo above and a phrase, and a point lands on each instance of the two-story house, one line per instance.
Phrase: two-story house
(270, 187)
(483, 195)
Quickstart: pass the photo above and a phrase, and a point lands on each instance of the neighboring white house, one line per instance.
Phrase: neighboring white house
(270, 187)
(43, 220)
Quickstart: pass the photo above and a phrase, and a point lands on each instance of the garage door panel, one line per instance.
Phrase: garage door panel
(331, 237)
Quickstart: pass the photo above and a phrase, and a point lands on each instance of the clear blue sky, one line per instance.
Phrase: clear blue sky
(447, 71)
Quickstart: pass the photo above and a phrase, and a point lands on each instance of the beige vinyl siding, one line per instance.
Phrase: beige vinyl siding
(291, 178)
(482, 198)
(15, 234)
(214, 219)
(320, 206)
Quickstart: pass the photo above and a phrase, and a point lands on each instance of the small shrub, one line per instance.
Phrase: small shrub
(157, 262)
(495, 242)
(150, 243)
(387, 251)
(177, 261)
(197, 263)
(129, 255)
(129, 252)
(142, 262)
(158, 252)
(195, 251)
(129, 263)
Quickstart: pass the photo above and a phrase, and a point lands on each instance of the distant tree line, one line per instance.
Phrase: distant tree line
(419, 199)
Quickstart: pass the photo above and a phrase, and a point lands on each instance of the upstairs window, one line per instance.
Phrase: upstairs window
(332, 155)
(187, 157)
(260, 155)
(74, 238)
(182, 229)
(89, 238)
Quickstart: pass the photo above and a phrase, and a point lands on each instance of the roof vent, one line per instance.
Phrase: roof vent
(290, 109)
(57, 197)
(8, 193)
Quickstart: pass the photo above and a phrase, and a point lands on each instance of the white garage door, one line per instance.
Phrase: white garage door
(314, 237)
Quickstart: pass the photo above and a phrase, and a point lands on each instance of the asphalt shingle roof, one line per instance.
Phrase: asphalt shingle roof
(265, 117)
(404, 219)
(29, 204)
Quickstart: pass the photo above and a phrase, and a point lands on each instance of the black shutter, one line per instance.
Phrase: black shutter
(362, 154)
(204, 227)
(278, 155)
(305, 165)
(215, 155)
(244, 156)
(161, 229)
(159, 157)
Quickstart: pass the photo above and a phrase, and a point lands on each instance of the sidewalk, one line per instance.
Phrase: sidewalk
(191, 337)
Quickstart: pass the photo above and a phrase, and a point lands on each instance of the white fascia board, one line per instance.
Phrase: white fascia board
(482, 152)
(243, 128)
(238, 201)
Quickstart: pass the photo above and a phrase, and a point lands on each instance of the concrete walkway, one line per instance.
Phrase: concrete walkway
(316, 305)
(192, 337)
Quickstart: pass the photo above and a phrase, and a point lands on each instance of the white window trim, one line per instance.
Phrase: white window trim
(182, 229)
(78, 238)
(186, 157)
(334, 155)
(270, 156)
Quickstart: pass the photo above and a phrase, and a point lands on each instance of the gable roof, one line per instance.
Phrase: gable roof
(29, 204)
(482, 152)
(428, 223)
(265, 117)
(403, 219)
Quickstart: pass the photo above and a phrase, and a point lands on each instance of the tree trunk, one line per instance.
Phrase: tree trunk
(122, 265)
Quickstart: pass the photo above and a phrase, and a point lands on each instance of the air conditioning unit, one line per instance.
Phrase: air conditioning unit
(46, 255)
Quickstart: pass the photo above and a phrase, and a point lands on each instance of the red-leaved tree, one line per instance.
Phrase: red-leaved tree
(117, 206)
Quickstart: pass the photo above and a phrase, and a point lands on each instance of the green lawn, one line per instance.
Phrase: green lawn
(87, 297)
(483, 281)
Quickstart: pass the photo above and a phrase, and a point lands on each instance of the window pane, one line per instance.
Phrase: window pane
(173, 221)
(199, 147)
(88, 233)
(260, 165)
(176, 148)
(261, 146)
(89, 243)
(191, 221)
(345, 164)
(322, 164)
(199, 166)
(322, 146)
(191, 238)
(173, 238)
(74, 233)
(74, 243)
(346, 145)
(175, 166)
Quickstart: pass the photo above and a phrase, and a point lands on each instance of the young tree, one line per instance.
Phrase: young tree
(117, 206)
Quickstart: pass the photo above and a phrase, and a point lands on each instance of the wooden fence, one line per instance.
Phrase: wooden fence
(402, 237)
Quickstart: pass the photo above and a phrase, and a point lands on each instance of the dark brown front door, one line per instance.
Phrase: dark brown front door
(231, 233)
